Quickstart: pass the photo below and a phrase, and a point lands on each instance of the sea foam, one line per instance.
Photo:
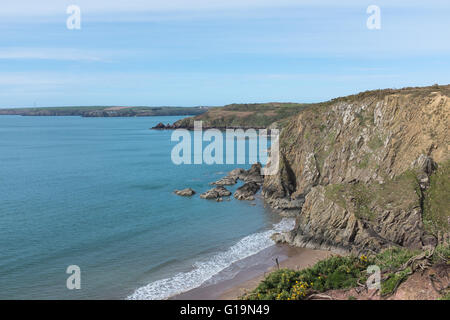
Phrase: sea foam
(205, 270)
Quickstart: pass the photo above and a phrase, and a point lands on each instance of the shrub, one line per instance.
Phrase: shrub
(332, 273)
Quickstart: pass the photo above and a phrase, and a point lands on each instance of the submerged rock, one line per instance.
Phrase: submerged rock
(185, 192)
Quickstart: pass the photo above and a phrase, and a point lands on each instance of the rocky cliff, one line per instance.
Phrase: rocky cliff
(356, 171)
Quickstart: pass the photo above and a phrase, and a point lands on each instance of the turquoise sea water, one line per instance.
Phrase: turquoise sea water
(97, 193)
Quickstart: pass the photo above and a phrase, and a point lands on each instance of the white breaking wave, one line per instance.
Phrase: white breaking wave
(205, 270)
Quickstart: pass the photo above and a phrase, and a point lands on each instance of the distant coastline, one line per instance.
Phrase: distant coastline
(106, 111)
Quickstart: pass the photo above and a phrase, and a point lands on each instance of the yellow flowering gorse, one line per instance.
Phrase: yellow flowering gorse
(299, 290)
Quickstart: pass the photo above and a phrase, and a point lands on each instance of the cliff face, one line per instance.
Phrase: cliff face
(355, 170)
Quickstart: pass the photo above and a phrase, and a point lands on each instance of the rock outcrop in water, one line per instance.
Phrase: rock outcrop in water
(247, 191)
(226, 181)
(216, 193)
(185, 192)
(252, 178)
(355, 170)
(251, 175)
(162, 126)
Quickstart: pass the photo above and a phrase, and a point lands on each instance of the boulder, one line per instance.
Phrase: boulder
(185, 192)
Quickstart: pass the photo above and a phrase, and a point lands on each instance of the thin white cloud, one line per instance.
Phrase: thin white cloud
(13, 79)
(63, 54)
(50, 7)
(55, 7)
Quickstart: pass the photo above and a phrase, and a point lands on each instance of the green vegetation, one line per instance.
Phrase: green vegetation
(441, 253)
(336, 192)
(364, 118)
(402, 192)
(362, 201)
(364, 162)
(375, 143)
(321, 157)
(101, 111)
(331, 138)
(393, 258)
(360, 195)
(437, 200)
(392, 282)
(341, 273)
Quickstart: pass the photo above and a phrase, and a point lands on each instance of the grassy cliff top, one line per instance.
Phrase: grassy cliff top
(255, 115)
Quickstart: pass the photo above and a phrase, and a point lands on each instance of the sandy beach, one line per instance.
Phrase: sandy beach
(245, 275)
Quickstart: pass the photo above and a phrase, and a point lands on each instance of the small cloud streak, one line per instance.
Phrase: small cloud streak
(63, 54)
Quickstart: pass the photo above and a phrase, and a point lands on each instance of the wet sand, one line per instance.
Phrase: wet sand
(245, 275)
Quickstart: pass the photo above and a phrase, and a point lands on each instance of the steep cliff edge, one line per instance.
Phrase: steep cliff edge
(355, 171)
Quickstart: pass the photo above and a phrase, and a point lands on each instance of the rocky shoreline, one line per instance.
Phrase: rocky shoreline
(252, 179)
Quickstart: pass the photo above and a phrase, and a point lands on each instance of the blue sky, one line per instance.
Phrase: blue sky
(198, 52)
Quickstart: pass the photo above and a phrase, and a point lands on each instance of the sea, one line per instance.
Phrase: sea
(97, 193)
